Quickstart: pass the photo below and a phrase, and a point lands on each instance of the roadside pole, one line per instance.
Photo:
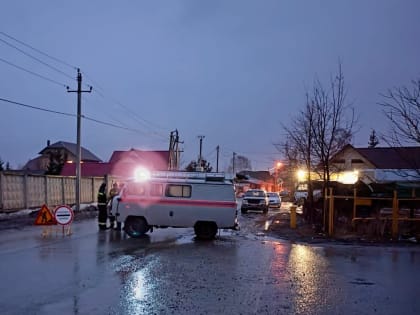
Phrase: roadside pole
(79, 92)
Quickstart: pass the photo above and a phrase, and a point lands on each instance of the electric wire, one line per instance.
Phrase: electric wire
(136, 117)
(33, 73)
(39, 51)
(70, 115)
(37, 59)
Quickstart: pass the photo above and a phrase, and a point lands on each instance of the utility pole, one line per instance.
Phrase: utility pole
(217, 159)
(233, 163)
(201, 145)
(79, 150)
(174, 150)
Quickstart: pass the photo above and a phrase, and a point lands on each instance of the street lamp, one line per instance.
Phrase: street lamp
(301, 175)
(278, 166)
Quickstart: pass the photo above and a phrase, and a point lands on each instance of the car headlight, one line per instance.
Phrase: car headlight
(245, 202)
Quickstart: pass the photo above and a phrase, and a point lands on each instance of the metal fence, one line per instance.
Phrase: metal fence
(26, 191)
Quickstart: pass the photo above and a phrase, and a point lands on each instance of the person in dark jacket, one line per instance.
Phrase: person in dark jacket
(112, 193)
(102, 207)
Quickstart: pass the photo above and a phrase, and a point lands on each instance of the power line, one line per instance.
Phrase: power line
(37, 59)
(146, 133)
(39, 51)
(70, 115)
(33, 73)
(37, 108)
(134, 114)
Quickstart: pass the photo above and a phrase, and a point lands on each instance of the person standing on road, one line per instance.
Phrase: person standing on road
(112, 193)
(102, 207)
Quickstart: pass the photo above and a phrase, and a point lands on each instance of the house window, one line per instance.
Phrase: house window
(183, 191)
(342, 161)
(156, 190)
(356, 161)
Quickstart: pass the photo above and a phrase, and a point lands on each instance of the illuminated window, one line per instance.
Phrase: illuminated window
(183, 191)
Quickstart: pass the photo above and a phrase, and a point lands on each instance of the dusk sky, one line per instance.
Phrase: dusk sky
(233, 71)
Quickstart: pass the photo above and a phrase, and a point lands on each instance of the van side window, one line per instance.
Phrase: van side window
(156, 190)
(178, 191)
(136, 189)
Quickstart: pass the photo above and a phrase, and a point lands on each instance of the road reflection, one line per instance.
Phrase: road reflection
(304, 266)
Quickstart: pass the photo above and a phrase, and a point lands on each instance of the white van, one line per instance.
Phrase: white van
(205, 201)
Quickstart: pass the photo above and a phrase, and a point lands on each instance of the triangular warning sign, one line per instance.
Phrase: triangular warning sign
(45, 217)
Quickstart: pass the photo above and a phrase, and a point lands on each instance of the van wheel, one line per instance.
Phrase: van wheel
(136, 227)
(205, 230)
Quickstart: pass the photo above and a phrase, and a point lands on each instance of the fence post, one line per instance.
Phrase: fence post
(354, 203)
(331, 214)
(293, 217)
(1, 189)
(395, 216)
(93, 189)
(63, 194)
(25, 190)
(46, 188)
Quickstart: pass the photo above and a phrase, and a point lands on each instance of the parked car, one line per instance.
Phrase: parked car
(255, 199)
(285, 195)
(301, 193)
(274, 200)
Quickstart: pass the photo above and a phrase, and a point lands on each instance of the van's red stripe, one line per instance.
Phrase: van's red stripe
(181, 202)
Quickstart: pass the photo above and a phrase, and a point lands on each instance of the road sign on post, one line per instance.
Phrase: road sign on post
(63, 215)
(45, 217)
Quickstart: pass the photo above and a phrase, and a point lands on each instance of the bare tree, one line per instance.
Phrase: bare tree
(241, 163)
(298, 148)
(334, 121)
(401, 107)
(319, 131)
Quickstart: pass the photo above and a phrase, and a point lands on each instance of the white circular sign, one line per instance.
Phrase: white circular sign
(63, 215)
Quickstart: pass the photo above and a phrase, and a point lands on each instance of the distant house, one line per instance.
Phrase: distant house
(254, 180)
(67, 150)
(379, 164)
(122, 164)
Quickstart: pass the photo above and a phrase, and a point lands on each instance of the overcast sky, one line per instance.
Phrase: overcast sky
(232, 71)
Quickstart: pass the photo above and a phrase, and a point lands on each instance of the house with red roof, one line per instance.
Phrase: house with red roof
(122, 164)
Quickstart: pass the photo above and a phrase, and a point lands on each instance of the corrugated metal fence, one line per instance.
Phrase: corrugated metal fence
(26, 191)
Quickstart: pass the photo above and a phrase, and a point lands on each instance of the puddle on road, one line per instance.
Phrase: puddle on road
(267, 224)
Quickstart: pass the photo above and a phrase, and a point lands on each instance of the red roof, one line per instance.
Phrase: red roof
(122, 163)
(96, 169)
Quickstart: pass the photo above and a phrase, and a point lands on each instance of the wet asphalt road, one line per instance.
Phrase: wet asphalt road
(169, 272)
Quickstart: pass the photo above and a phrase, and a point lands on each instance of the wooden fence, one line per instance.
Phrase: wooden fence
(26, 191)
(381, 213)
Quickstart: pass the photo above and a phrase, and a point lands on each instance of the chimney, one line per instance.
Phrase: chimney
(48, 143)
